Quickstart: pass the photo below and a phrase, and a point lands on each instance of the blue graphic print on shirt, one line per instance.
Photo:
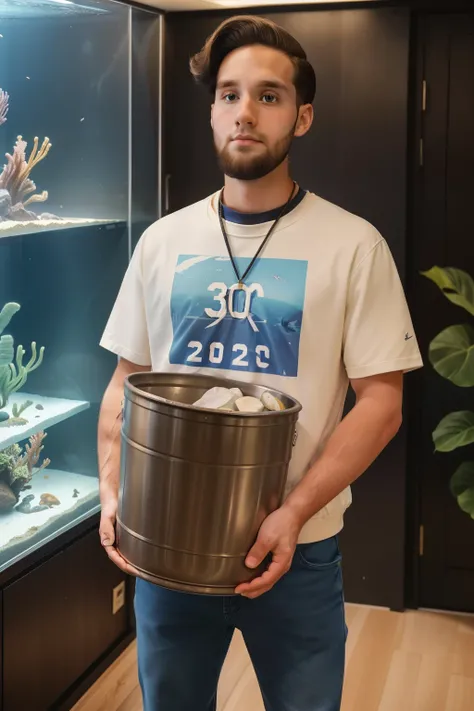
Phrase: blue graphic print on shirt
(254, 329)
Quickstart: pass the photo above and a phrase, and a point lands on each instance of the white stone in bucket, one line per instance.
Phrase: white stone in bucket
(249, 404)
(272, 403)
(217, 399)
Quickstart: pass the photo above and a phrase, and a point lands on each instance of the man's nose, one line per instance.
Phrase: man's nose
(246, 114)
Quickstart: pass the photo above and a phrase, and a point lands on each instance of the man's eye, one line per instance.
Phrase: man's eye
(269, 99)
(230, 97)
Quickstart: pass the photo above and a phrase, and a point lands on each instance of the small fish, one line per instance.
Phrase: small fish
(83, 119)
(29, 78)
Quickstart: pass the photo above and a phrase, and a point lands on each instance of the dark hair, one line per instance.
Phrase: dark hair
(245, 30)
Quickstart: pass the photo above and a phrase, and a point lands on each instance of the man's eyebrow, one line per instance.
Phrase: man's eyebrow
(265, 84)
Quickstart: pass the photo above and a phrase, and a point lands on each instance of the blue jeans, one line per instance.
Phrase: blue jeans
(295, 635)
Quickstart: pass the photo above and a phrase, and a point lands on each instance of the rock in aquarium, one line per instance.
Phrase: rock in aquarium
(7, 497)
(49, 500)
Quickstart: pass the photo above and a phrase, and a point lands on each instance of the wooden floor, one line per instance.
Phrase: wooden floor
(412, 661)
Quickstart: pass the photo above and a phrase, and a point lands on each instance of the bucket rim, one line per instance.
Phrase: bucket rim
(134, 389)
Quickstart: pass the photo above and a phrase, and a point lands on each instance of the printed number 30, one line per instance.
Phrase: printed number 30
(225, 307)
(217, 351)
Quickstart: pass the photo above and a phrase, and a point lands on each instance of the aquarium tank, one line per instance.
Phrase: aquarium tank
(79, 183)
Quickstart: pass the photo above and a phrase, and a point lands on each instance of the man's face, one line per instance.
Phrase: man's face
(255, 114)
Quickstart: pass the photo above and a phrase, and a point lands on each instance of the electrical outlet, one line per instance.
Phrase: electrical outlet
(118, 597)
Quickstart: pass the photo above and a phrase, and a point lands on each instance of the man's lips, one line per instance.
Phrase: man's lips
(245, 139)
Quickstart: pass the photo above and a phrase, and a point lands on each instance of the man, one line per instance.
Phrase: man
(264, 282)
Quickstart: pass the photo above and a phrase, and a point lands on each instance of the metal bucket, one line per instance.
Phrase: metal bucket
(196, 484)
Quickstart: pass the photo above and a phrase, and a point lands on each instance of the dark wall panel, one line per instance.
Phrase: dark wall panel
(444, 232)
(355, 156)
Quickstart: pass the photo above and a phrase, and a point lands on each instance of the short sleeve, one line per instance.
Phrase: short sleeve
(378, 331)
(126, 332)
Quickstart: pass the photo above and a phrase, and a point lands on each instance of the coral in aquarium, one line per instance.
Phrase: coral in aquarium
(18, 467)
(13, 375)
(4, 99)
(15, 419)
(15, 180)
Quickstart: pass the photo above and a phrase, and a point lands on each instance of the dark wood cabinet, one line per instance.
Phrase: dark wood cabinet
(59, 623)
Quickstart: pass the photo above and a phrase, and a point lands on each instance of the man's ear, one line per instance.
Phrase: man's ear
(212, 120)
(305, 120)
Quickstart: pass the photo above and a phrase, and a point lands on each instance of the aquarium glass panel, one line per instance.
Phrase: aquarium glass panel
(67, 211)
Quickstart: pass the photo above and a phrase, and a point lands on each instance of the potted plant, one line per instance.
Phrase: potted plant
(451, 354)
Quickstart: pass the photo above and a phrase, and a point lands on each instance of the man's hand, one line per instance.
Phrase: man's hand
(278, 535)
(107, 536)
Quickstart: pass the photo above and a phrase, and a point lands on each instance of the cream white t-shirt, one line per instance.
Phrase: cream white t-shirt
(322, 305)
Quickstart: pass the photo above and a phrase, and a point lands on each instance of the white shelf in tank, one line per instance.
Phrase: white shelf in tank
(9, 228)
(17, 527)
(53, 410)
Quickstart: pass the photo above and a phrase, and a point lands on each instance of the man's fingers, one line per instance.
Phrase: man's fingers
(120, 562)
(106, 532)
(107, 537)
(265, 581)
(257, 554)
(262, 591)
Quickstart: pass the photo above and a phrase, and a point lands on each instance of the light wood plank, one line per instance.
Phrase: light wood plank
(369, 665)
(133, 702)
(412, 661)
(356, 617)
(433, 682)
(235, 666)
(460, 694)
(402, 678)
(114, 686)
(464, 647)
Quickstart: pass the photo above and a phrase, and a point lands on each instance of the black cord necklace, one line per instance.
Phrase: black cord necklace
(241, 279)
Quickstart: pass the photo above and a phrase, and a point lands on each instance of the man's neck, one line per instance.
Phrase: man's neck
(254, 196)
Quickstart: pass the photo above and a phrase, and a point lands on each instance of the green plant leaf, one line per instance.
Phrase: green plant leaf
(455, 430)
(452, 355)
(466, 501)
(456, 284)
(462, 479)
(7, 352)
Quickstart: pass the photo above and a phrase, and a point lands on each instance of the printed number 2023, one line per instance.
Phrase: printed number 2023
(240, 358)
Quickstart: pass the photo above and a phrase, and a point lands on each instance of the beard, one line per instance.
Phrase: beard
(243, 164)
